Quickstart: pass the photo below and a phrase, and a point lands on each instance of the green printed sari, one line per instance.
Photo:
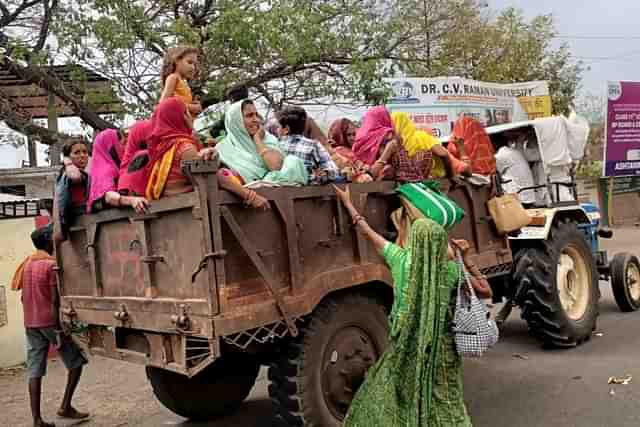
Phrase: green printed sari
(418, 380)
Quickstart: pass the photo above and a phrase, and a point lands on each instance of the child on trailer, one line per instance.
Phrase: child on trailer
(180, 64)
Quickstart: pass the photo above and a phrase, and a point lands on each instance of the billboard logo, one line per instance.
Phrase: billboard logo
(403, 93)
(614, 91)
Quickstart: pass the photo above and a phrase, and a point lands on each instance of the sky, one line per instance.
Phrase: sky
(603, 33)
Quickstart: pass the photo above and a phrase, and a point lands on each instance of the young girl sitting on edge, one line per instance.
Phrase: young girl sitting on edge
(179, 66)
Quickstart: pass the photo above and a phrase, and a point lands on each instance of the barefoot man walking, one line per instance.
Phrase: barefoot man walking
(37, 280)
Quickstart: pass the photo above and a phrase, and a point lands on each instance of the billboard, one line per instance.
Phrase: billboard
(622, 142)
(436, 103)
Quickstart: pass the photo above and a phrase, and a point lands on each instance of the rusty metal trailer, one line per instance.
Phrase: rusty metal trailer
(202, 291)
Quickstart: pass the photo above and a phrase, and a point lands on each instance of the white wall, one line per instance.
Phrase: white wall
(16, 245)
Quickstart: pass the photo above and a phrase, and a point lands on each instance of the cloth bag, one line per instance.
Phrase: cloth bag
(507, 213)
(474, 332)
(428, 199)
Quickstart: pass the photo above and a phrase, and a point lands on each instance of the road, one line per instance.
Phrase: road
(517, 384)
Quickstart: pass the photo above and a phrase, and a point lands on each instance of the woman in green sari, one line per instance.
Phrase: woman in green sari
(252, 154)
(418, 380)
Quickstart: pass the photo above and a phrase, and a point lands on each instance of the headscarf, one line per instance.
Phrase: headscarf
(413, 139)
(238, 150)
(105, 169)
(477, 145)
(133, 171)
(376, 125)
(169, 129)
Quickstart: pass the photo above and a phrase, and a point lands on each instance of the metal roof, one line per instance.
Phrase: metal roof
(33, 100)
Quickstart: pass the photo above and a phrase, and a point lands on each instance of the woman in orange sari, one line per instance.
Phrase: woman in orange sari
(470, 141)
(170, 143)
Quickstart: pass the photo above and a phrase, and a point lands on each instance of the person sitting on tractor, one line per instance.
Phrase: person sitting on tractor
(514, 170)
(316, 158)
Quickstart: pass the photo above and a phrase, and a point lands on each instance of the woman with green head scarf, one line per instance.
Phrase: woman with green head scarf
(418, 380)
(253, 154)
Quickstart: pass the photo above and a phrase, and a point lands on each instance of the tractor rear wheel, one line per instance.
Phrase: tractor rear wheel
(558, 287)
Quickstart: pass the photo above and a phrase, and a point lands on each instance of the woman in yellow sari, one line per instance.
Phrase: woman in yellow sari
(416, 141)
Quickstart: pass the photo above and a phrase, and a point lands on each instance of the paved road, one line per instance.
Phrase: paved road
(517, 385)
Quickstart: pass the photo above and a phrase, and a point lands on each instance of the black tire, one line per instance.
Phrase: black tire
(316, 376)
(218, 390)
(539, 293)
(625, 270)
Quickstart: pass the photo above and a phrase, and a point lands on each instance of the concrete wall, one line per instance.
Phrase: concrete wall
(38, 182)
(16, 245)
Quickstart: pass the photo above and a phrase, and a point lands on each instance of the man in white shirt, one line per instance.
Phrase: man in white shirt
(514, 170)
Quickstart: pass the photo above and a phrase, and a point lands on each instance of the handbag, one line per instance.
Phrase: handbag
(507, 213)
(474, 332)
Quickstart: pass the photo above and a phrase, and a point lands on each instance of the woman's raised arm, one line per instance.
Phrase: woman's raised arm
(378, 241)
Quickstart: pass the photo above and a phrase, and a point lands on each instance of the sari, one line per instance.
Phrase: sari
(105, 167)
(238, 152)
(415, 141)
(376, 126)
(418, 380)
(477, 146)
(338, 134)
(170, 139)
(133, 173)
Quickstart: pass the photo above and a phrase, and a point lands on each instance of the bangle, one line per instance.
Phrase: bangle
(382, 162)
(262, 152)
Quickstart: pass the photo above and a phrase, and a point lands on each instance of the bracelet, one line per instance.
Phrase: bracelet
(262, 152)
(382, 162)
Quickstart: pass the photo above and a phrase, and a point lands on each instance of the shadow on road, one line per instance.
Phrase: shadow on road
(253, 413)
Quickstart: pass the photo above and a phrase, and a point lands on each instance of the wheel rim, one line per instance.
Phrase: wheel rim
(633, 281)
(348, 355)
(574, 282)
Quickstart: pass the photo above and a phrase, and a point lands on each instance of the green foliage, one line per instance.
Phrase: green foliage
(507, 48)
(302, 51)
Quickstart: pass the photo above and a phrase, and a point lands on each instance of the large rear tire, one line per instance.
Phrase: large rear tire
(218, 390)
(625, 281)
(317, 375)
(558, 287)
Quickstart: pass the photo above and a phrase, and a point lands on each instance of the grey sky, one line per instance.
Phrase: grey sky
(600, 21)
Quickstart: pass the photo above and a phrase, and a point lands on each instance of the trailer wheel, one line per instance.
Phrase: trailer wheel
(625, 281)
(317, 375)
(218, 390)
(558, 287)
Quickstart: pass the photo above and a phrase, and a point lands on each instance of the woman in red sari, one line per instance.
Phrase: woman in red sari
(171, 141)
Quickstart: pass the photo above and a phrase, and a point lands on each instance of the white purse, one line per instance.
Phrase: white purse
(474, 332)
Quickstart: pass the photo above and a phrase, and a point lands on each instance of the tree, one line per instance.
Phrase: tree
(287, 51)
(506, 48)
(284, 51)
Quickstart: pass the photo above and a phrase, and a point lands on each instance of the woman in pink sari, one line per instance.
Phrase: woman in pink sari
(376, 131)
(105, 169)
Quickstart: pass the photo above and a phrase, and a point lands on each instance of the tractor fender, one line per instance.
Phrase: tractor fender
(541, 232)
